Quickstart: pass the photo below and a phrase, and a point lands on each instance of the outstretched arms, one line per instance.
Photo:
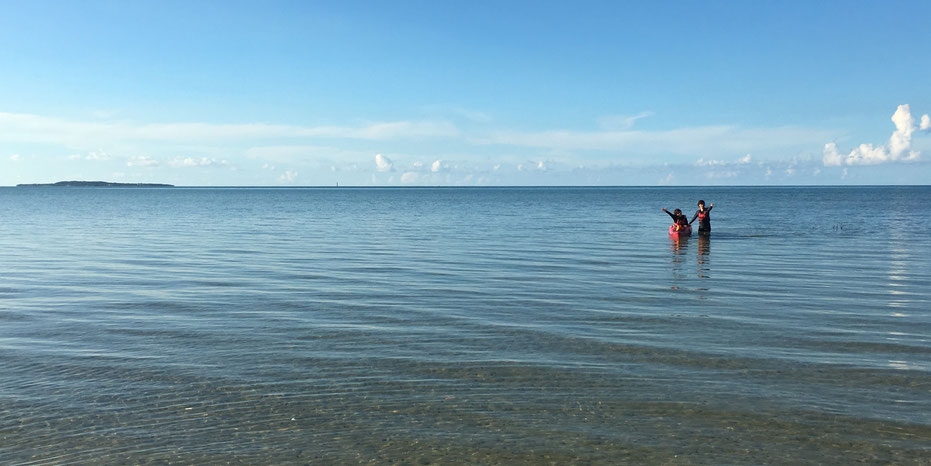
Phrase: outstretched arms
(696, 213)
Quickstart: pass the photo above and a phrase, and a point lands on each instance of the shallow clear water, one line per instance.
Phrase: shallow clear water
(511, 325)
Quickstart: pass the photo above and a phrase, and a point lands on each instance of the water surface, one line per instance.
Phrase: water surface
(494, 325)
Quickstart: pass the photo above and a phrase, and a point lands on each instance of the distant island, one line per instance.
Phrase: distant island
(97, 184)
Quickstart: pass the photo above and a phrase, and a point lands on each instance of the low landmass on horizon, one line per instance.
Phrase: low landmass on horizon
(99, 184)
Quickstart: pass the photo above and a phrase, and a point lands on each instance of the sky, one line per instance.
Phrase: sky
(465, 93)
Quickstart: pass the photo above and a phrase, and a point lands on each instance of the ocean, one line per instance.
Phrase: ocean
(464, 325)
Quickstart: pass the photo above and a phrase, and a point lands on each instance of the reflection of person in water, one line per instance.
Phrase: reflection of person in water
(704, 251)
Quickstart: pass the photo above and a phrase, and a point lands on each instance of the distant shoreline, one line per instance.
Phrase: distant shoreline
(96, 184)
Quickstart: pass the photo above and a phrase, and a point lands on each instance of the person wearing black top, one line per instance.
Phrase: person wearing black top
(704, 218)
(677, 217)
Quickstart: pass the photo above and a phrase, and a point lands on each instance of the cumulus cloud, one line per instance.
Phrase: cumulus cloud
(383, 164)
(437, 166)
(141, 161)
(925, 123)
(898, 149)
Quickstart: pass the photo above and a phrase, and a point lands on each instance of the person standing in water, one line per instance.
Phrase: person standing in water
(704, 218)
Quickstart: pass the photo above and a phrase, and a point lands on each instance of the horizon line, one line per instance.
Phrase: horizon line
(170, 186)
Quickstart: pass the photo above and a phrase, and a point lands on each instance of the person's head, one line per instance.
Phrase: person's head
(701, 204)
(677, 212)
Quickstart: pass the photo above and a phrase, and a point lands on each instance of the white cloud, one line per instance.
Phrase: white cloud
(141, 161)
(410, 177)
(621, 122)
(901, 139)
(99, 156)
(284, 153)
(382, 163)
(437, 166)
(709, 163)
(539, 166)
(288, 176)
(459, 112)
(723, 168)
(898, 149)
(704, 139)
(183, 162)
(925, 123)
(384, 131)
(43, 129)
(16, 157)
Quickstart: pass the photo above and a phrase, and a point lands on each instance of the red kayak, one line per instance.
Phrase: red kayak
(680, 232)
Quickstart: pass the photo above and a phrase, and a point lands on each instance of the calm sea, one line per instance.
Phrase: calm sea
(481, 326)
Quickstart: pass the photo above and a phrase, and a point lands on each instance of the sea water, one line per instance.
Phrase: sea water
(487, 325)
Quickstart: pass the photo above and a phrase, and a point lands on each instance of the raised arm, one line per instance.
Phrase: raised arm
(669, 213)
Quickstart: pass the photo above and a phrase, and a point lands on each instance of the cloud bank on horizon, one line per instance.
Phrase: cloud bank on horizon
(617, 153)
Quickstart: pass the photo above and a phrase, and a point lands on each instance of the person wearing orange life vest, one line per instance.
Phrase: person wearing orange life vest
(704, 218)
(678, 218)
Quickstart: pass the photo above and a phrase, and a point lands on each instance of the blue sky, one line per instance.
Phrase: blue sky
(465, 93)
